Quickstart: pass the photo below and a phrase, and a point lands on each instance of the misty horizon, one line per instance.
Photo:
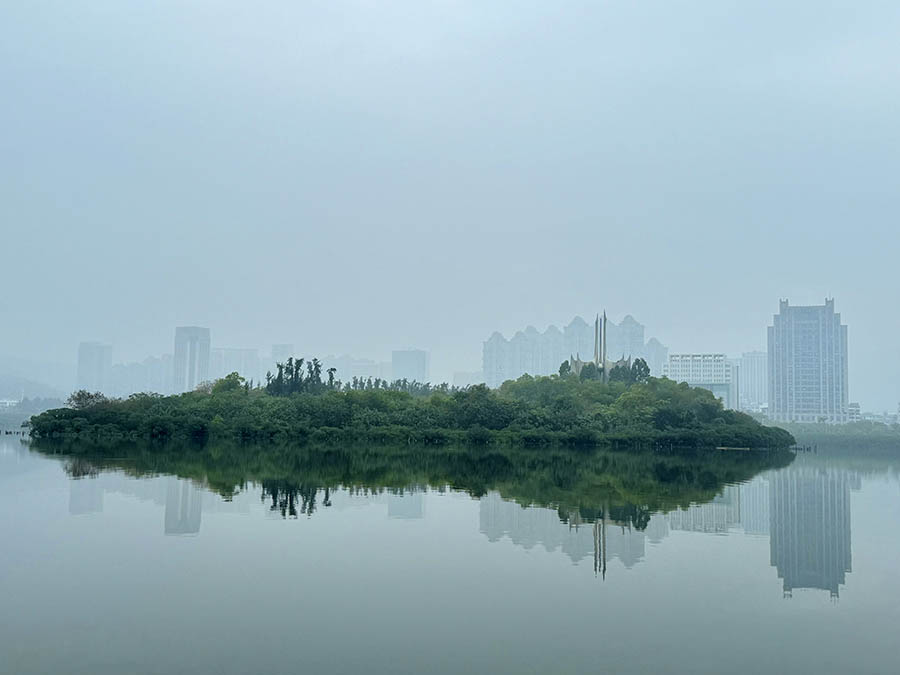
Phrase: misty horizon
(355, 179)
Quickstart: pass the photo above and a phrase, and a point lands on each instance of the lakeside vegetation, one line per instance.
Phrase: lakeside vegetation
(297, 404)
(864, 437)
(628, 486)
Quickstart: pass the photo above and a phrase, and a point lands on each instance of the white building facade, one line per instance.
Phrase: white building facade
(707, 371)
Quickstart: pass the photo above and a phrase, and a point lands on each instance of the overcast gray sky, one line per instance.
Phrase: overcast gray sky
(360, 176)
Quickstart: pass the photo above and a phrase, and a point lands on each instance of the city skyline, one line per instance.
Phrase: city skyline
(748, 391)
(882, 397)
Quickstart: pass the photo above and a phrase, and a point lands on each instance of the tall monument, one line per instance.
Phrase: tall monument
(601, 362)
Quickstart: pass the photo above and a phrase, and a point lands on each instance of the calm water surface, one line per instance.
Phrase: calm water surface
(114, 567)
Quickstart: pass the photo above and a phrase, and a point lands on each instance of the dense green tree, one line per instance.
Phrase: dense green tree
(82, 399)
(589, 371)
(640, 371)
(229, 383)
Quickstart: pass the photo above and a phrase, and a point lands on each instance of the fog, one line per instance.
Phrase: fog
(358, 177)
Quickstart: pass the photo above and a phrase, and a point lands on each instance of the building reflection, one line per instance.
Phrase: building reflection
(803, 509)
(719, 516)
(85, 496)
(406, 504)
(182, 499)
(601, 537)
(810, 528)
(183, 507)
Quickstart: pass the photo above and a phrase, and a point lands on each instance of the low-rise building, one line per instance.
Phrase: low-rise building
(707, 371)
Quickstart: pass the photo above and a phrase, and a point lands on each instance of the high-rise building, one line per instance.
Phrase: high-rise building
(128, 378)
(536, 353)
(754, 384)
(191, 361)
(807, 365)
(159, 373)
(244, 362)
(410, 364)
(94, 366)
(707, 371)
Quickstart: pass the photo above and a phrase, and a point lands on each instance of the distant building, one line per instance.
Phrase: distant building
(244, 362)
(807, 365)
(656, 354)
(463, 379)
(707, 371)
(191, 361)
(128, 378)
(853, 413)
(537, 353)
(94, 366)
(348, 367)
(410, 364)
(754, 381)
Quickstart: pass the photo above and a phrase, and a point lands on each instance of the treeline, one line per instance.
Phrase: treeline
(292, 377)
(534, 411)
(863, 437)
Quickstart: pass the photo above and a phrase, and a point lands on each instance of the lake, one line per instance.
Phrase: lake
(228, 560)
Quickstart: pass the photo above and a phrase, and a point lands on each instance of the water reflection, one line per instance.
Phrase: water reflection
(602, 538)
(183, 500)
(183, 507)
(600, 507)
(810, 527)
(406, 505)
(804, 509)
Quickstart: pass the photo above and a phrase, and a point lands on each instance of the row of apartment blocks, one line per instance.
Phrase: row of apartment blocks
(802, 377)
(195, 361)
(537, 353)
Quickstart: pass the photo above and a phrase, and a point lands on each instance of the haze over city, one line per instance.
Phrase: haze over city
(454, 169)
(576, 319)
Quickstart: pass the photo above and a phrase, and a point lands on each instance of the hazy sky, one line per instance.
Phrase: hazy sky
(360, 176)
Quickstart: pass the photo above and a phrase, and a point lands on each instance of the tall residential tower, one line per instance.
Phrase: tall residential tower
(94, 366)
(191, 362)
(808, 365)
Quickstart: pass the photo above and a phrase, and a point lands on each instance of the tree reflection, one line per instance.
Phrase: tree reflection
(284, 497)
(626, 486)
